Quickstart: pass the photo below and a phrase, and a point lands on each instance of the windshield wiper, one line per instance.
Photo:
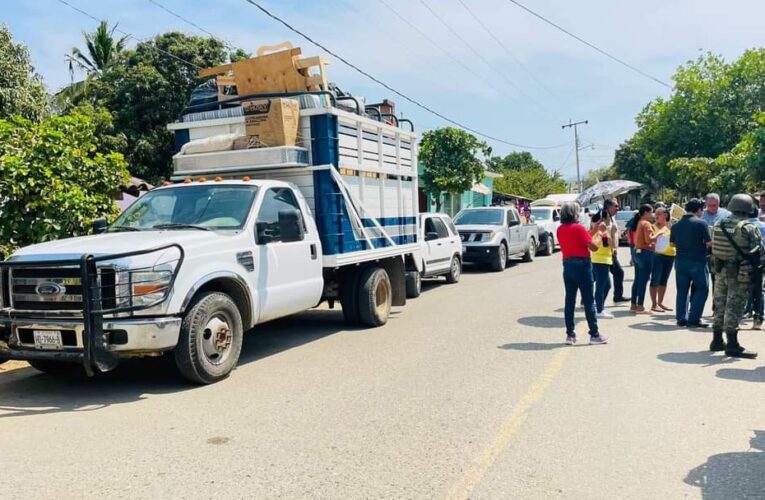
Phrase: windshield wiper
(180, 226)
(114, 229)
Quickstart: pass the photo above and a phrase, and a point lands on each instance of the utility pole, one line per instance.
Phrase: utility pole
(576, 150)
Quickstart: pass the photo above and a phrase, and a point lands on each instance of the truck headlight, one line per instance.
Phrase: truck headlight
(146, 280)
(148, 287)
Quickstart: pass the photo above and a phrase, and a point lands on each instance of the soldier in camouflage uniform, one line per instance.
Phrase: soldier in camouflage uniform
(734, 268)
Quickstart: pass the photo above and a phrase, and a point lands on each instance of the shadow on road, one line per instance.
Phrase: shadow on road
(732, 475)
(704, 358)
(754, 375)
(28, 392)
(542, 321)
(653, 326)
(531, 346)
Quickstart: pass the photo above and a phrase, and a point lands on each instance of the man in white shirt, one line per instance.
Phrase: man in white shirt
(713, 212)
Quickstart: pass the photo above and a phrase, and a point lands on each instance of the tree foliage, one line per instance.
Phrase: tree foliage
(596, 175)
(693, 139)
(21, 89)
(148, 89)
(450, 159)
(53, 179)
(523, 175)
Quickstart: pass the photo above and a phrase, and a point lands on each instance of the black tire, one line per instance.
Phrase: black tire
(59, 368)
(204, 356)
(550, 246)
(455, 270)
(500, 262)
(375, 296)
(349, 299)
(413, 284)
(531, 252)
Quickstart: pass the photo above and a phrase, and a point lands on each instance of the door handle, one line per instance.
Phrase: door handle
(314, 254)
(440, 244)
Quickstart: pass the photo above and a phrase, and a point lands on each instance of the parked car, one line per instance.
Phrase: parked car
(441, 252)
(622, 218)
(494, 234)
(548, 220)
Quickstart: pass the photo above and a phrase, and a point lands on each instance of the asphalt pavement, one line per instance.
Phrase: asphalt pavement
(467, 392)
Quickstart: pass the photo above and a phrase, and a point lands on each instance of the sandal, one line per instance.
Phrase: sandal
(665, 307)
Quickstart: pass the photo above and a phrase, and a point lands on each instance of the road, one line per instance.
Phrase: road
(467, 392)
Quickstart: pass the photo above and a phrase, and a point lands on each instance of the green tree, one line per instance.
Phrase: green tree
(523, 175)
(596, 175)
(450, 160)
(149, 89)
(102, 51)
(54, 181)
(21, 89)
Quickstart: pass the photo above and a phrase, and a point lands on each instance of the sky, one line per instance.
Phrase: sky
(510, 76)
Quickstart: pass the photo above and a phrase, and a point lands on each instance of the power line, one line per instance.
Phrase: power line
(482, 58)
(592, 46)
(507, 51)
(86, 14)
(385, 85)
(192, 23)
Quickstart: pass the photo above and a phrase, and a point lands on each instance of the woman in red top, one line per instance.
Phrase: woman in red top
(575, 245)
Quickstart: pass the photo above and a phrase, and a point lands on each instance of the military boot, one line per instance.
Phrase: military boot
(717, 344)
(736, 350)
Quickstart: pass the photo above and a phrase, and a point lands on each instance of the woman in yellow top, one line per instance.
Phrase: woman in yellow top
(602, 259)
(663, 260)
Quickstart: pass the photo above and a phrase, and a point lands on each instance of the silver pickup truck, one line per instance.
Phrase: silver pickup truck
(494, 234)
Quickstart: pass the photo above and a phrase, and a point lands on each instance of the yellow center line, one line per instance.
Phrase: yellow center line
(478, 467)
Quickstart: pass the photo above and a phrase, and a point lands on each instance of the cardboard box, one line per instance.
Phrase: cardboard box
(271, 122)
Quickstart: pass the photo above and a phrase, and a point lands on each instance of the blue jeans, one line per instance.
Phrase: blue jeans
(577, 276)
(602, 284)
(690, 273)
(643, 267)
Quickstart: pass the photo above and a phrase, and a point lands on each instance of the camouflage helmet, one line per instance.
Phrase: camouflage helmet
(742, 203)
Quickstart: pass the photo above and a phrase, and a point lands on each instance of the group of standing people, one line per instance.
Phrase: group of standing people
(709, 243)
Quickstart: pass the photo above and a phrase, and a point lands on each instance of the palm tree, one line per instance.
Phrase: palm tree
(102, 51)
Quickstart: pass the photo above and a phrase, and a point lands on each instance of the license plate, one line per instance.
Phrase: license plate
(47, 339)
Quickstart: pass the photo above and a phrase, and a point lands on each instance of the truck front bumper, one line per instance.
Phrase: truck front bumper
(479, 253)
(127, 337)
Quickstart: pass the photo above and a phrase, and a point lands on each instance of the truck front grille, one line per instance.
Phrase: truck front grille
(56, 288)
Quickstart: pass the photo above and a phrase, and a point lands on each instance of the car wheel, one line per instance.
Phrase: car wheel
(455, 270)
(531, 252)
(501, 261)
(550, 246)
(211, 339)
(413, 284)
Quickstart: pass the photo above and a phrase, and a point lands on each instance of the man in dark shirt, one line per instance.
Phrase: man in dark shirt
(691, 239)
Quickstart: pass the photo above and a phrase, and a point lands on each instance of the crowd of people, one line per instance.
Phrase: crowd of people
(709, 248)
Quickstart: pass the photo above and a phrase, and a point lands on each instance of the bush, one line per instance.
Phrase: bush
(53, 180)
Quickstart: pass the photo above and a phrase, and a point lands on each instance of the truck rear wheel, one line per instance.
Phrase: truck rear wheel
(455, 270)
(375, 296)
(500, 261)
(413, 284)
(211, 339)
(531, 251)
(550, 246)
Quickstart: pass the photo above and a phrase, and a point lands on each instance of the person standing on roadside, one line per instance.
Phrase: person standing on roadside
(737, 250)
(575, 246)
(610, 207)
(756, 304)
(711, 215)
(663, 260)
(645, 241)
(692, 240)
(602, 260)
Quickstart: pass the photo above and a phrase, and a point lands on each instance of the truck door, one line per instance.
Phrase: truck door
(442, 253)
(514, 230)
(290, 277)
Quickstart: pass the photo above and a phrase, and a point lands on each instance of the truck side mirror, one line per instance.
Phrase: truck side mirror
(290, 226)
(431, 236)
(514, 223)
(99, 226)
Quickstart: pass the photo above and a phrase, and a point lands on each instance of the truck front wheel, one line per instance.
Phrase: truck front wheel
(500, 261)
(375, 297)
(211, 339)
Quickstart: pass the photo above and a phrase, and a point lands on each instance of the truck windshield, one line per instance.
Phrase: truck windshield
(541, 213)
(204, 206)
(489, 217)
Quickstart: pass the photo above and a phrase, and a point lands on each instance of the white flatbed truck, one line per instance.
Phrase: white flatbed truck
(244, 236)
